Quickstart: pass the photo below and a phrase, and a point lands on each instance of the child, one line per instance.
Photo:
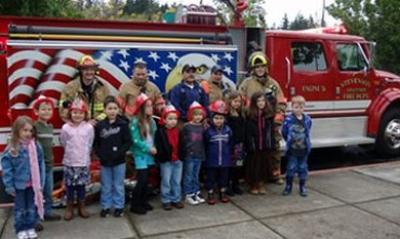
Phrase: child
(236, 120)
(76, 137)
(112, 141)
(23, 177)
(193, 153)
(43, 109)
(259, 142)
(167, 144)
(218, 144)
(143, 129)
(296, 131)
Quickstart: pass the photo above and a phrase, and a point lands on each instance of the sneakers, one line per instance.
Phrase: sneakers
(22, 235)
(199, 197)
(105, 212)
(118, 212)
(178, 205)
(191, 199)
(31, 233)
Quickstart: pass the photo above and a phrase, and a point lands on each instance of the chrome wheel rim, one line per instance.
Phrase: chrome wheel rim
(392, 134)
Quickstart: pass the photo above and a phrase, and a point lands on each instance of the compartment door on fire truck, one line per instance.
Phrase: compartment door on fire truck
(310, 75)
(352, 81)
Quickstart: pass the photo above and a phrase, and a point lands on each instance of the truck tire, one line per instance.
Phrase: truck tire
(388, 140)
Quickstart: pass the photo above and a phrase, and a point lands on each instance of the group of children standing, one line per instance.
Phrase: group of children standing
(222, 139)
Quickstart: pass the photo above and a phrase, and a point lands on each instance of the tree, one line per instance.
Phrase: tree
(285, 22)
(376, 20)
(300, 23)
(253, 16)
(40, 8)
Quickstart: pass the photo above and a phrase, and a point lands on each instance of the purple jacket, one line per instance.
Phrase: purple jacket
(77, 142)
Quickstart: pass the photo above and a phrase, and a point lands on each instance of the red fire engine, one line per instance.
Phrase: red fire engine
(350, 101)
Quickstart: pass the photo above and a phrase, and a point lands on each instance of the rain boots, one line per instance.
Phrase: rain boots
(302, 188)
(288, 187)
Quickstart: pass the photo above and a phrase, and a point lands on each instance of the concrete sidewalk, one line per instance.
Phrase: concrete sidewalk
(357, 203)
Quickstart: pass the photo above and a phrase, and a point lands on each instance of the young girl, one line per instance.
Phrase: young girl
(236, 121)
(112, 141)
(23, 177)
(167, 144)
(259, 142)
(76, 137)
(143, 129)
(218, 148)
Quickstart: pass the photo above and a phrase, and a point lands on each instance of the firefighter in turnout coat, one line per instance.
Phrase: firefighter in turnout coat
(86, 87)
(260, 80)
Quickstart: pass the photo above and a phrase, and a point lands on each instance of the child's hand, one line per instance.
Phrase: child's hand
(11, 192)
(93, 122)
(13, 152)
(153, 151)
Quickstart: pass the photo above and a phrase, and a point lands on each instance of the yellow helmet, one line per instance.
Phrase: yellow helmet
(87, 62)
(257, 59)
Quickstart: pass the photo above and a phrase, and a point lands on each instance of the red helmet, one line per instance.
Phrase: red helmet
(167, 110)
(218, 107)
(42, 99)
(195, 105)
(78, 104)
(140, 100)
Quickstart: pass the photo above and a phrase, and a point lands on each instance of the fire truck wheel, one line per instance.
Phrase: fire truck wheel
(388, 141)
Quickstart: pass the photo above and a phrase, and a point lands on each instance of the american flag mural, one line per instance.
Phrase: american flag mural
(34, 72)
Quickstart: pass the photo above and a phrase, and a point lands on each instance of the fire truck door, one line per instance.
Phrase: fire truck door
(310, 75)
(352, 81)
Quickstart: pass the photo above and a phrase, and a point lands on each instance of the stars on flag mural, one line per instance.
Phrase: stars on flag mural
(34, 72)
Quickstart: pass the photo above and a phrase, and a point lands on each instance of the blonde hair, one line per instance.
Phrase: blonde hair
(18, 124)
(298, 99)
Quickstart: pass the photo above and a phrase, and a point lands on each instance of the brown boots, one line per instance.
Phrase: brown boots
(69, 211)
(81, 209)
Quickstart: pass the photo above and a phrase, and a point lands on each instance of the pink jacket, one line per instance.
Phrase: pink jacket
(77, 142)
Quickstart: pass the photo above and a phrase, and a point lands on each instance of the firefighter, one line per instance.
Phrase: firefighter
(139, 84)
(87, 87)
(215, 87)
(260, 80)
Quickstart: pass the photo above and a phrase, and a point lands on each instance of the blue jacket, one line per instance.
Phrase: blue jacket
(182, 96)
(140, 149)
(17, 170)
(218, 146)
(288, 131)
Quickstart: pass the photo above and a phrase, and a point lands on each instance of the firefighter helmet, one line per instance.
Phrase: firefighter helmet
(257, 58)
(87, 62)
(218, 107)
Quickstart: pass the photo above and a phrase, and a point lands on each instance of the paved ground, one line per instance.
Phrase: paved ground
(362, 202)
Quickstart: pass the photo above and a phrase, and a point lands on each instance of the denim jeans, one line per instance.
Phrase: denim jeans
(171, 177)
(297, 164)
(191, 171)
(25, 213)
(48, 190)
(112, 186)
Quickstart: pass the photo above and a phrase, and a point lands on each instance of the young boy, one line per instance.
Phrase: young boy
(193, 153)
(167, 142)
(43, 109)
(218, 143)
(112, 141)
(296, 132)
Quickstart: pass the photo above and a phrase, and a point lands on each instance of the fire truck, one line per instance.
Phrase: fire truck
(350, 101)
